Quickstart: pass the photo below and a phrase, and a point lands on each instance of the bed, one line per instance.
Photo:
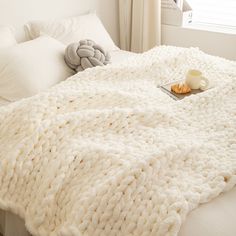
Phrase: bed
(213, 218)
(200, 221)
(202, 204)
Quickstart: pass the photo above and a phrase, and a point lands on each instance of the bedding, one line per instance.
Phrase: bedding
(215, 218)
(107, 153)
(72, 30)
(7, 38)
(31, 67)
(117, 57)
(11, 224)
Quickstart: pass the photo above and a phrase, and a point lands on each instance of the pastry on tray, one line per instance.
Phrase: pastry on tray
(180, 88)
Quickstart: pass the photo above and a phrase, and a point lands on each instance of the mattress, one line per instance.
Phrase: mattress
(215, 218)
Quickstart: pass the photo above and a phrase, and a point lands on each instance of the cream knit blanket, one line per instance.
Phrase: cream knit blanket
(107, 153)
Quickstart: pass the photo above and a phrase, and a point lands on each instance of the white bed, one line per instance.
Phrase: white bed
(215, 218)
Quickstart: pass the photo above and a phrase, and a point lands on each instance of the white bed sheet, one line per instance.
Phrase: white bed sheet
(120, 55)
(216, 218)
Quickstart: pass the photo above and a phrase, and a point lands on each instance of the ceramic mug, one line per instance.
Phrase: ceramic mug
(195, 80)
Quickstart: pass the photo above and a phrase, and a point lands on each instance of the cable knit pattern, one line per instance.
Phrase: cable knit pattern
(107, 153)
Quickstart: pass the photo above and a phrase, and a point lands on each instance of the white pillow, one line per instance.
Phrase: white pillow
(72, 30)
(31, 67)
(6, 37)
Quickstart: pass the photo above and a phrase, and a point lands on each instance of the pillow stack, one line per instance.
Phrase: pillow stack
(72, 30)
(34, 66)
(31, 67)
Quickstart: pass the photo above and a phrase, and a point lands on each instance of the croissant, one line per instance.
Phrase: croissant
(180, 88)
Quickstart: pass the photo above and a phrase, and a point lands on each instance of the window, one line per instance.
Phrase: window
(214, 12)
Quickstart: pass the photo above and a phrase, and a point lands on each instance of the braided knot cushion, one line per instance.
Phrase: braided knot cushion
(85, 54)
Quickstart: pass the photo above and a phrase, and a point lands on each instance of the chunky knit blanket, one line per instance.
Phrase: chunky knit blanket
(108, 153)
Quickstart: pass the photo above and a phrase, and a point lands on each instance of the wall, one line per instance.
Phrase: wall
(108, 12)
(219, 44)
(18, 12)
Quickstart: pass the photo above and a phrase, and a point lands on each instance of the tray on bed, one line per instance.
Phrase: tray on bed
(166, 88)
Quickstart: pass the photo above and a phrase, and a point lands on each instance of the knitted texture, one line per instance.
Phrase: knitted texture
(85, 54)
(108, 153)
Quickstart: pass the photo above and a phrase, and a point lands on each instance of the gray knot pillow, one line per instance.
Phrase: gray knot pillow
(85, 54)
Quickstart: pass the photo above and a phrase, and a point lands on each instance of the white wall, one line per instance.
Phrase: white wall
(18, 12)
(219, 44)
(108, 12)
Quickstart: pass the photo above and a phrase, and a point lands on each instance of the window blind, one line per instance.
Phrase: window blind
(217, 12)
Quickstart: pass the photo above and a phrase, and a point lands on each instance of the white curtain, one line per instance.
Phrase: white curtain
(140, 24)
